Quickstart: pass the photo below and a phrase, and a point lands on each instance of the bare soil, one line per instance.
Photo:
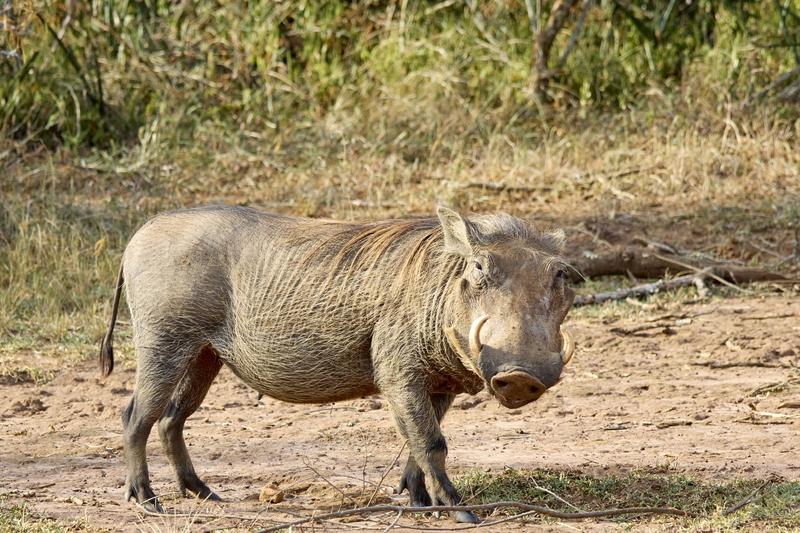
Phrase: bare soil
(658, 390)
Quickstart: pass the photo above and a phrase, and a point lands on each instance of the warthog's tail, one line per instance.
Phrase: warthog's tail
(106, 359)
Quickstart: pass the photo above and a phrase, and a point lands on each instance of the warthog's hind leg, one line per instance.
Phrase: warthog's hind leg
(185, 400)
(158, 372)
(413, 479)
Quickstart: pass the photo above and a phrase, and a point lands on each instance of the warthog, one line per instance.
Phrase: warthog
(312, 311)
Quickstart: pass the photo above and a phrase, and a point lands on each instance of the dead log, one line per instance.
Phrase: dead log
(644, 263)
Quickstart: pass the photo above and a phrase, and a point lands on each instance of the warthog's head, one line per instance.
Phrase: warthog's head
(504, 315)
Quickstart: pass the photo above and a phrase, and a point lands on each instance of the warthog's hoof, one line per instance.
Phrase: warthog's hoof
(210, 496)
(417, 493)
(465, 517)
(198, 489)
(144, 496)
(152, 506)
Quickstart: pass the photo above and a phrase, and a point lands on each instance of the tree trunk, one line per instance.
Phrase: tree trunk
(543, 43)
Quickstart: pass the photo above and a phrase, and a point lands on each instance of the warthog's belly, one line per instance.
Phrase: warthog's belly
(305, 372)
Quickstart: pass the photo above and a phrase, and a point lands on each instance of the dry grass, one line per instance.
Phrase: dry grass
(726, 187)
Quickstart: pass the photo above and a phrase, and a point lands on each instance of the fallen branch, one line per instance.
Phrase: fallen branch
(546, 511)
(642, 263)
(647, 289)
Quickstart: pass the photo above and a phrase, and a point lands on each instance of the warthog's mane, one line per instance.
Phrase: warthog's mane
(416, 246)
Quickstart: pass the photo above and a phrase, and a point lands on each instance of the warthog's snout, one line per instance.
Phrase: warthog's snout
(517, 388)
(516, 384)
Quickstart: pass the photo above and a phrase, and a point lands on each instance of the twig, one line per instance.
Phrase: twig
(769, 252)
(394, 522)
(666, 326)
(553, 494)
(673, 423)
(503, 520)
(736, 364)
(655, 245)
(773, 387)
(502, 187)
(768, 317)
(773, 415)
(750, 497)
(326, 480)
(761, 422)
(386, 472)
(482, 507)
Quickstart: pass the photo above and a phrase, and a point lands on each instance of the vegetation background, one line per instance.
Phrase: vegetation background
(675, 119)
(680, 115)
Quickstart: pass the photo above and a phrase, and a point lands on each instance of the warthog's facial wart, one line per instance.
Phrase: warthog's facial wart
(511, 302)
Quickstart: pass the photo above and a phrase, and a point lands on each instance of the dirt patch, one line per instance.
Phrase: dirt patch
(714, 394)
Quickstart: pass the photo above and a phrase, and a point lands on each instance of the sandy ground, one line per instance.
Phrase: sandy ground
(677, 395)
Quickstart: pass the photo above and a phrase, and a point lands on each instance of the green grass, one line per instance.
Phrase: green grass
(18, 518)
(436, 78)
(777, 507)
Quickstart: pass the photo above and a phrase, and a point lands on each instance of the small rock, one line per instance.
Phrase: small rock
(368, 405)
(469, 403)
(271, 495)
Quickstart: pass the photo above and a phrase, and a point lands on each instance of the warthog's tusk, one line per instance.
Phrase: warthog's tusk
(568, 346)
(475, 345)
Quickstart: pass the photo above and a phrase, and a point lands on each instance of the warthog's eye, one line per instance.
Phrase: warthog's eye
(477, 276)
(561, 275)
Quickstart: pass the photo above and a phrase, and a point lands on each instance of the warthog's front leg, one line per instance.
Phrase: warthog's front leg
(416, 418)
(413, 479)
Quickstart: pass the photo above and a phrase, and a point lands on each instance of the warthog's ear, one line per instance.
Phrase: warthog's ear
(458, 233)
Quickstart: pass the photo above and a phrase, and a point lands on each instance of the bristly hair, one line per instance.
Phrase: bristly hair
(360, 247)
